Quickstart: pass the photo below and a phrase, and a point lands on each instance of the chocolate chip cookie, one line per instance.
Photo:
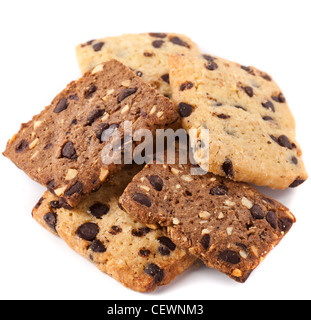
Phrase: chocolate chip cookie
(146, 54)
(140, 258)
(229, 225)
(61, 148)
(251, 129)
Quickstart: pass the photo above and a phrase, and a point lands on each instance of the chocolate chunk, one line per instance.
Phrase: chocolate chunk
(126, 93)
(69, 151)
(144, 252)
(257, 212)
(88, 93)
(272, 219)
(223, 116)
(166, 78)
(249, 91)
(239, 107)
(265, 76)
(98, 46)
(211, 66)
(97, 246)
(94, 115)
(247, 69)
(206, 241)
(142, 199)
(88, 231)
(179, 42)
(157, 43)
(51, 220)
(167, 243)
(156, 182)
(77, 188)
(158, 35)
(55, 204)
(219, 191)
(229, 256)
(284, 142)
(22, 146)
(61, 106)
(99, 209)
(297, 183)
(140, 232)
(186, 86)
(279, 98)
(154, 271)
(268, 105)
(185, 109)
(294, 160)
(115, 230)
(227, 167)
(285, 224)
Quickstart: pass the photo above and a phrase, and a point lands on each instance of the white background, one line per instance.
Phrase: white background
(37, 60)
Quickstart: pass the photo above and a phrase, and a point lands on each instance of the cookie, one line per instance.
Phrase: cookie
(251, 128)
(61, 148)
(140, 258)
(229, 225)
(146, 54)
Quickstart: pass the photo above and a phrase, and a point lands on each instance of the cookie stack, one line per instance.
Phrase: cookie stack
(146, 225)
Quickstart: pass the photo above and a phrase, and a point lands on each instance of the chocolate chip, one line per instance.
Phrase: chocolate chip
(115, 230)
(249, 91)
(219, 191)
(108, 131)
(267, 118)
(265, 76)
(94, 115)
(126, 93)
(99, 209)
(285, 224)
(51, 185)
(61, 106)
(139, 73)
(97, 246)
(206, 241)
(164, 251)
(157, 43)
(208, 57)
(272, 219)
(185, 109)
(297, 183)
(227, 167)
(22, 146)
(140, 232)
(88, 93)
(247, 69)
(211, 66)
(156, 182)
(186, 86)
(55, 204)
(88, 231)
(274, 138)
(179, 42)
(51, 220)
(154, 271)
(229, 256)
(69, 151)
(142, 199)
(167, 243)
(74, 97)
(39, 203)
(268, 105)
(223, 116)
(148, 54)
(144, 252)
(239, 107)
(158, 35)
(279, 98)
(166, 78)
(284, 142)
(77, 188)
(257, 212)
(98, 46)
